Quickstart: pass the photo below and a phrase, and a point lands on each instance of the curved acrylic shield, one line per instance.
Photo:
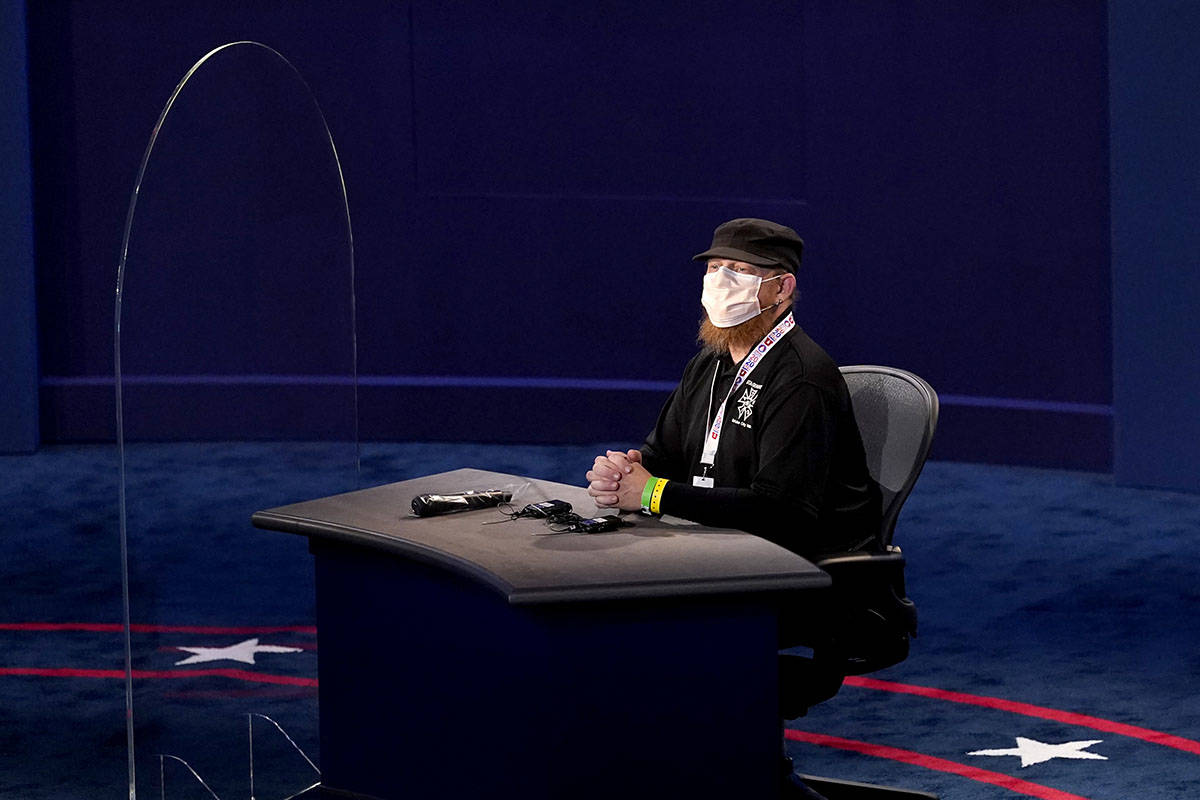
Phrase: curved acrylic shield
(236, 391)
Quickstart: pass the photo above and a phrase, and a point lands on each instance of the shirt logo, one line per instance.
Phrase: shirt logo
(745, 404)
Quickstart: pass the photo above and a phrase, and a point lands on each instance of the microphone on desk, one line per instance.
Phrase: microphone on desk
(428, 505)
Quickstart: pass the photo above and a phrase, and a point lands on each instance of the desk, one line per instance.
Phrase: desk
(459, 659)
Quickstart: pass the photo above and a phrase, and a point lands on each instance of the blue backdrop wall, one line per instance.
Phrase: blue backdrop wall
(18, 350)
(1155, 205)
(528, 183)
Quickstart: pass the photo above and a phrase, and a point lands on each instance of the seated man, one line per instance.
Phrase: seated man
(760, 433)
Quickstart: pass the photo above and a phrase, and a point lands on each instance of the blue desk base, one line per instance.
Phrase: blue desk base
(432, 685)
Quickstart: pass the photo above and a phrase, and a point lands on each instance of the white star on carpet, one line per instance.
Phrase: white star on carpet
(242, 651)
(1032, 751)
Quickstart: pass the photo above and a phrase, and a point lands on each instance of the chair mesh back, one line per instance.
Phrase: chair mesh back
(896, 413)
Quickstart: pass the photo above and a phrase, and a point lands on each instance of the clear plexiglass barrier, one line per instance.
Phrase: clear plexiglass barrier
(236, 391)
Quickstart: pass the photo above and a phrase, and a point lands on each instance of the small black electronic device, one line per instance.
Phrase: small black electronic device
(427, 505)
(597, 525)
(550, 508)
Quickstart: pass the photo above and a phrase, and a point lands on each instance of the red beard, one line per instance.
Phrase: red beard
(738, 337)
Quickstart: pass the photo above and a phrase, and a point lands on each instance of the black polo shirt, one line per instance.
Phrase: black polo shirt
(790, 466)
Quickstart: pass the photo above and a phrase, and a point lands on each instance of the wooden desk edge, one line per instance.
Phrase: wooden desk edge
(328, 531)
(267, 520)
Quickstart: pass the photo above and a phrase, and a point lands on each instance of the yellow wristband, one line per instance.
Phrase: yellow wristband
(656, 496)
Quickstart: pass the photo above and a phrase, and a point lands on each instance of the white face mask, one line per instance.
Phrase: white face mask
(731, 298)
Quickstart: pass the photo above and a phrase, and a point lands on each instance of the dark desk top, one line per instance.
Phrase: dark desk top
(655, 558)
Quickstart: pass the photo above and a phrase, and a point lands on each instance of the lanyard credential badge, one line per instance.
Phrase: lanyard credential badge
(712, 440)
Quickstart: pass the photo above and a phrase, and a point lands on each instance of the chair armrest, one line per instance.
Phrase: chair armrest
(860, 560)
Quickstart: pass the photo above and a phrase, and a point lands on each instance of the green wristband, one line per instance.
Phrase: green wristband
(648, 492)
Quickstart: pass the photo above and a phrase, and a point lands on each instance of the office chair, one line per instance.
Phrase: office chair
(870, 618)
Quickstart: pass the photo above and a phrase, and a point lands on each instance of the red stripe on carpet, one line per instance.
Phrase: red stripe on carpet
(933, 763)
(236, 674)
(112, 627)
(166, 648)
(1030, 710)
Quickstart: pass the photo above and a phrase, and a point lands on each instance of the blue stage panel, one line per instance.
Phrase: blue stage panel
(18, 330)
(1155, 205)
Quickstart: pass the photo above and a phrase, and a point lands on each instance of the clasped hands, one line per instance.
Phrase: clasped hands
(616, 480)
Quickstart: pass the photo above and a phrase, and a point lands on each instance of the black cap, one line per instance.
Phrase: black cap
(757, 242)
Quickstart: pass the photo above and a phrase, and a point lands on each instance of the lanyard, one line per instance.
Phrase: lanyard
(712, 441)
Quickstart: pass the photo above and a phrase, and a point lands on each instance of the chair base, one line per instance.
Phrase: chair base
(834, 789)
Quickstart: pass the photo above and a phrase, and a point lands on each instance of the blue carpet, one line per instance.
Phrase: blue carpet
(1048, 588)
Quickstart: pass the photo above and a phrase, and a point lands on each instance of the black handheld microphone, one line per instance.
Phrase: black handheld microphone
(427, 505)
